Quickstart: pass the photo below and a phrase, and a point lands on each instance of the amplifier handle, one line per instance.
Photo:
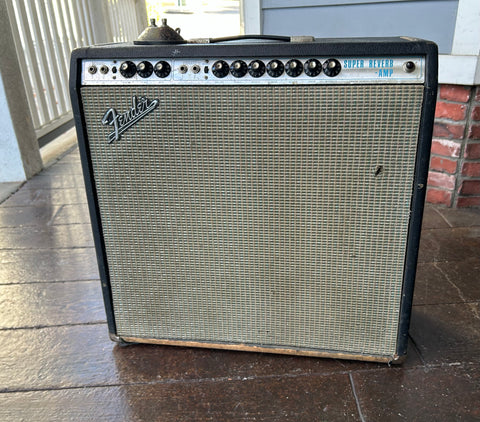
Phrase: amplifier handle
(300, 38)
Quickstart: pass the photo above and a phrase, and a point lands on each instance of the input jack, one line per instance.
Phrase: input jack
(183, 68)
(103, 69)
(92, 69)
(195, 68)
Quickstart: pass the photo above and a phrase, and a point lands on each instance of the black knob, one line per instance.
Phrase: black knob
(275, 68)
(313, 67)
(409, 67)
(239, 68)
(256, 68)
(162, 69)
(128, 69)
(332, 67)
(145, 69)
(294, 68)
(220, 69)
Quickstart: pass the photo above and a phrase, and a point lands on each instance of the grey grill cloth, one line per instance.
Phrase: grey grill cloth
(255, 214)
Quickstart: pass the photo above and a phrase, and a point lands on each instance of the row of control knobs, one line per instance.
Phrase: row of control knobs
(276, 68)
(237, 69)
(145, 69)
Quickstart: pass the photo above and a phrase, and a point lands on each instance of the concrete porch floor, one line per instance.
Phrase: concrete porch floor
(57, 362)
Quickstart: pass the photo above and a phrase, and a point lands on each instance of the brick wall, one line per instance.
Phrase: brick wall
(454, 176)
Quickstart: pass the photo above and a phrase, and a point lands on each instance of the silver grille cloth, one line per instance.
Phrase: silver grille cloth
(254, 215)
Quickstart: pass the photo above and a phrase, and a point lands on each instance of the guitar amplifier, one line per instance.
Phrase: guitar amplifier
(258, 195)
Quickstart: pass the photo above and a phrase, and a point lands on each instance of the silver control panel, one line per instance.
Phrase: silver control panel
(249, 70)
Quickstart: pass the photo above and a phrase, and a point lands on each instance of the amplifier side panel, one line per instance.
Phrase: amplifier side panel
(272, 216)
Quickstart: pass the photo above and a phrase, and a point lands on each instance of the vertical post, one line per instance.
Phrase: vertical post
(466, 40)
(462, 66)
(141, 15)
(100, 22)
(251, 16)
(19, 151)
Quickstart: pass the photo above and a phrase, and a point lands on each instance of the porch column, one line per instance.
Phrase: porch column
(19, 151)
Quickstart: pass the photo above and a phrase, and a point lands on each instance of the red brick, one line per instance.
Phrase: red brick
(446, 148)
(477, 94)
(447, 130)
(472, 151)
(469, 201)
(476, 113)
(455, 93)
(438, 196)
(441, 180)
(471, 169)
(451, 111)
(470, 187)
(443, 164)
(474, 132)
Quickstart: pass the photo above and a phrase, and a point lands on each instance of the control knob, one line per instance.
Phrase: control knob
(275, 68)
(162, 69)
(144, 69)
(220, 69)
(238, 69)
(313, 67)
(128, 69)
(332, 67)
(256, 68)
(294, 68)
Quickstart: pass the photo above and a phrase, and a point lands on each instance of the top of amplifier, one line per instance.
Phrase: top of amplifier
(168, 41)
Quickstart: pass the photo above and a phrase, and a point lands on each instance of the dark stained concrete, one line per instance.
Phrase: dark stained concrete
(57, 362)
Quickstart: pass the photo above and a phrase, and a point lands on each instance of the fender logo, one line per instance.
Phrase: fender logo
(122, 122)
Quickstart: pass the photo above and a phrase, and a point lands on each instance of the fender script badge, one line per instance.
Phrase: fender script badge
(122, 122)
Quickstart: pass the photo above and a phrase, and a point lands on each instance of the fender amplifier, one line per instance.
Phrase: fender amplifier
(261, 196)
